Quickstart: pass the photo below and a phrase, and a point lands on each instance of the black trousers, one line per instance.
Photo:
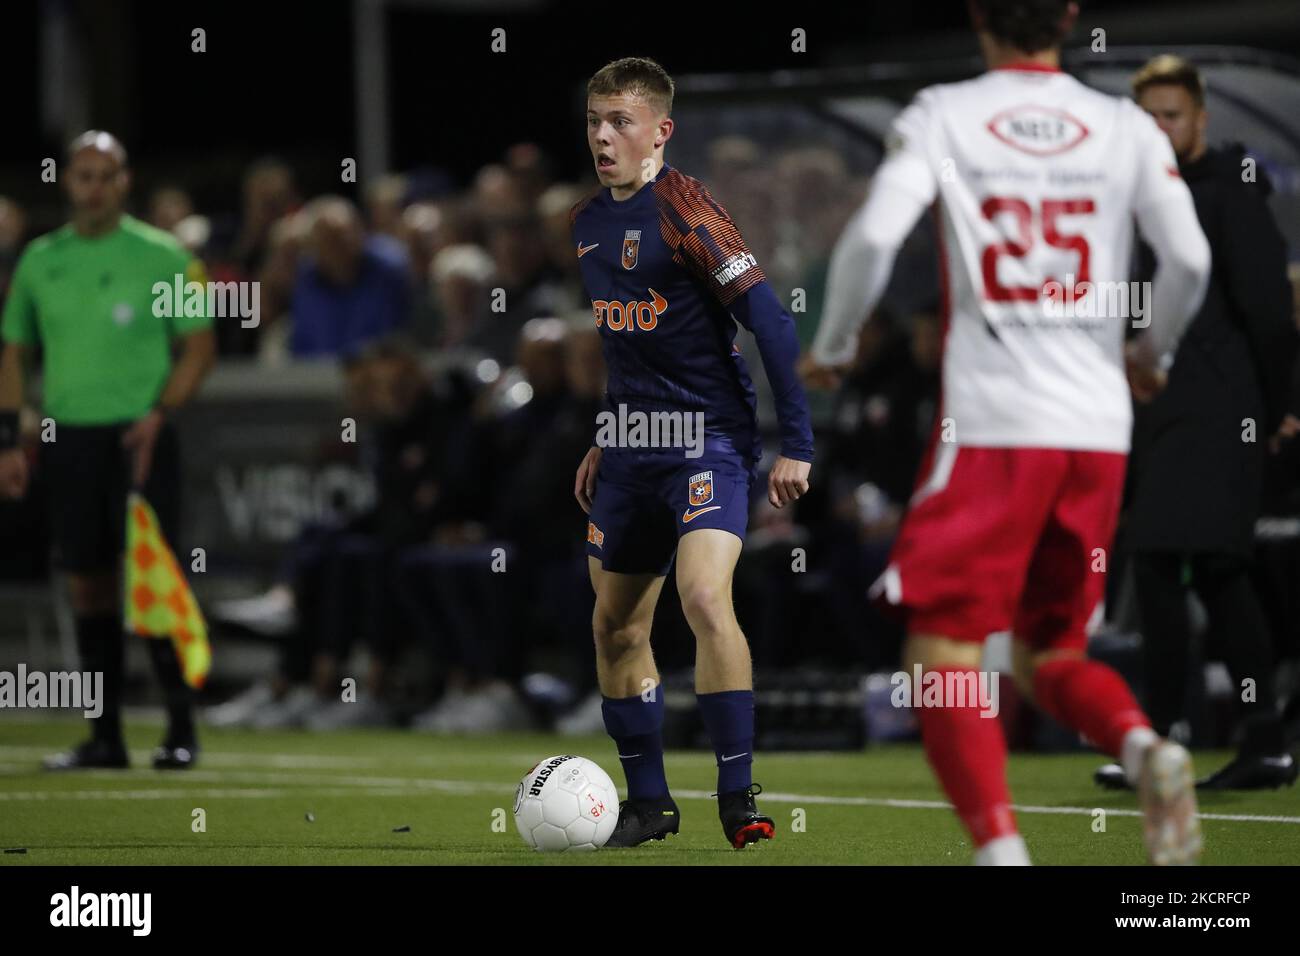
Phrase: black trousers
(1237, 625)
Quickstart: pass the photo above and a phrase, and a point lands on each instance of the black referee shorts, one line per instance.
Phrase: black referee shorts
(88, 477)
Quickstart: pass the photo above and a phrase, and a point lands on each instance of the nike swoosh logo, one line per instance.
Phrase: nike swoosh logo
(688, 515)
(736, 757)
(583, 250)
(627, 756)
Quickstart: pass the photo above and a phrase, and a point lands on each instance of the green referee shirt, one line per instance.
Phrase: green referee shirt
(91, 305)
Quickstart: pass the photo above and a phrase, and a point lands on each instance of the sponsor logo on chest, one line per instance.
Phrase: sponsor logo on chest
(1038, 130)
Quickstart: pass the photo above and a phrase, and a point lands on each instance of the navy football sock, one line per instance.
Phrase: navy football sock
(636, 725)
(729, 719)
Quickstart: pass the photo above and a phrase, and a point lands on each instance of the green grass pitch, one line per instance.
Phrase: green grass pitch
(258, 791)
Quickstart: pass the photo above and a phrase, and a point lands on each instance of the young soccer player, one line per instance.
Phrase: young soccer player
(1036, 181)
(669, 277)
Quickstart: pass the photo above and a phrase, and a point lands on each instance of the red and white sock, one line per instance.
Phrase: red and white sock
(969, 756)
(1091, 698)
(1136, 743)
(1003, 851)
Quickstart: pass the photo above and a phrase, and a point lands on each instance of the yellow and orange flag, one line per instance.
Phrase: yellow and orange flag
(159, 602)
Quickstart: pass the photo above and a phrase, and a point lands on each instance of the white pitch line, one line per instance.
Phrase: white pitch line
(407, 784)
(227, 758)
(300, 781)
(185, 793)
(413, 787)
(941, 805)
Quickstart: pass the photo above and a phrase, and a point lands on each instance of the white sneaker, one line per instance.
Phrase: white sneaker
(586, 718)
(271, 614)
(1167, 795)
(239, 710)
(289, 712)
(341, 715)
(432, 719)
(503, 711)
(491, 709)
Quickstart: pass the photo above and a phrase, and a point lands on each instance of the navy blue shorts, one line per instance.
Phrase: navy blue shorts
(646, 499)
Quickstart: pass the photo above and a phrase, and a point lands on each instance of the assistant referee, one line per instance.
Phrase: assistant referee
(83, 295)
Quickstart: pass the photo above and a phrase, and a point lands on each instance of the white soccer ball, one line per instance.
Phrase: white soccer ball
(566, 803)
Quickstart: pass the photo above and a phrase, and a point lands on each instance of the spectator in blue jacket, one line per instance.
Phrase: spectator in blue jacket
(351, 288)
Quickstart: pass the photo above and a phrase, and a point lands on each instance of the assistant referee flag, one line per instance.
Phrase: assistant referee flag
(159, 602)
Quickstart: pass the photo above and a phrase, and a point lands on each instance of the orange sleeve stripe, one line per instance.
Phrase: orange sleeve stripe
(704, 238)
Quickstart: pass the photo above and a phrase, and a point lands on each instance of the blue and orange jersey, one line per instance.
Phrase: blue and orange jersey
(669, 276)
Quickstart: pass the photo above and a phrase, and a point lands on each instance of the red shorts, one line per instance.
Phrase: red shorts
(1003, 539)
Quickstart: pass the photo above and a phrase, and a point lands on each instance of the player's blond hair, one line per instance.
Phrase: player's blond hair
(635, 76)
(1170, 70)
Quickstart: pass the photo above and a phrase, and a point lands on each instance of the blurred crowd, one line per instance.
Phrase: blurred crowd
(473, 368)
(455, 269)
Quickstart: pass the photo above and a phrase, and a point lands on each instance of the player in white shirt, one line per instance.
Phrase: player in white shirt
(1036, 182)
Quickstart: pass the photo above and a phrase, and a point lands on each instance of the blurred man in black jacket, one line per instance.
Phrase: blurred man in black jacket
(1199, 447)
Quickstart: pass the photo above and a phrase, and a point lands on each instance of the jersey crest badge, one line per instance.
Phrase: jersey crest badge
(631, 246)
(700, 489)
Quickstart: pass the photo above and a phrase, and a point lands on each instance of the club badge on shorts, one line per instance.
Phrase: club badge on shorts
(701, 489)
(631, 246)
